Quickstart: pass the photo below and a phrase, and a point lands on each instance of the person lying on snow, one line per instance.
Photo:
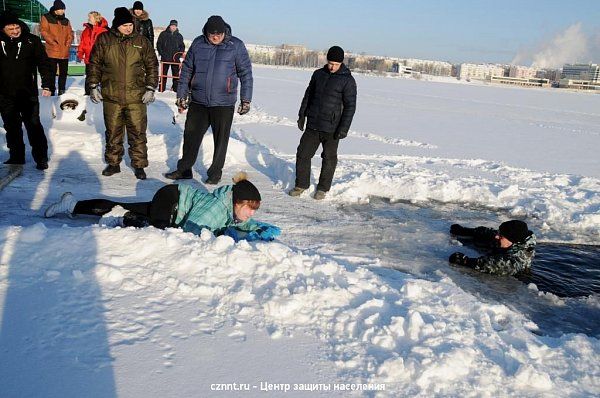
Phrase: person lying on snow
(511, 248)
(225, 211)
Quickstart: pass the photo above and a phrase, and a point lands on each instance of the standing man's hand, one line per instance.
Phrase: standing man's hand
(148, 96)
(340, 135)
(95, 94)
(46, 92)
(182, 104)
(244, 107)
(301, 121)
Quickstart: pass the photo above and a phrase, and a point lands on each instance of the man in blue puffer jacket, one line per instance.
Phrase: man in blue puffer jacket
(210, 73)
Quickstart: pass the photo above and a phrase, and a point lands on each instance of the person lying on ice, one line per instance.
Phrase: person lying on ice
(225, 211)
(511, 248)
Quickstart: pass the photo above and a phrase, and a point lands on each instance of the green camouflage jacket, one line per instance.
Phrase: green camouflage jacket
(511, 261)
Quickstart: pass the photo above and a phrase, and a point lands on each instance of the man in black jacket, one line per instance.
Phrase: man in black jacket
(329, 104)
(170, 47)
(142, 22)
(21, 56)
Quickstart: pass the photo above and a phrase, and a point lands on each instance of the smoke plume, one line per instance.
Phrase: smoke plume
(570, 46)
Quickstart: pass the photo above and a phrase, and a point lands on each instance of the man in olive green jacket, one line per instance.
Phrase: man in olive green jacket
(123, 72)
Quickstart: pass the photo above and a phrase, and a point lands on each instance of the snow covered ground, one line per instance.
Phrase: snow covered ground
(356, 293)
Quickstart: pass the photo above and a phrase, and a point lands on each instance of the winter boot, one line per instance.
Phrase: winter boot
(140, 174)
(66, 205)
(211, 181)
(296, 191)
(110, 170)
(14, 161)
(320, 195)
(81, 117)
(42, 165)
(180, 175)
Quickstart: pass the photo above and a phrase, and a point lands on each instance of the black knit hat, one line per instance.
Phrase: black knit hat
(58, 5)
(214, 24)
(122, 16)
(245, 190)
(138, 5)
(514, 230)
(173, 22)
(8, 18)
(335, 54)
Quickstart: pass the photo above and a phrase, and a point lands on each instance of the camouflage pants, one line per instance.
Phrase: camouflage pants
(132, 117)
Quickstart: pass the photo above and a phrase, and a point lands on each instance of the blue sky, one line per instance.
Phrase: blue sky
(456, 31)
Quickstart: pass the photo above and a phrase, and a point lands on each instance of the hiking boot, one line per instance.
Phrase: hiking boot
(65, 205)
(212, 181)
(140, 174)
(110, 170)
(319, 195)
(14, 161)
(297, 191)
(42, 165)
(180, 175)
(61, 92)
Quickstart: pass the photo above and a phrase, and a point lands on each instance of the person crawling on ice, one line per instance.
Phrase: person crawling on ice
(511, 248)
(225, 211)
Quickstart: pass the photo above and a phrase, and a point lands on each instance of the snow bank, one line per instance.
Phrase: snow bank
(418, 337)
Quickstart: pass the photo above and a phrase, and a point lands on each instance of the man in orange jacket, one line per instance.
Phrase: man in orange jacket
(56, 31)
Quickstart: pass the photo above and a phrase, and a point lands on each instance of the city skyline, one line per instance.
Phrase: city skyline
(463, 31)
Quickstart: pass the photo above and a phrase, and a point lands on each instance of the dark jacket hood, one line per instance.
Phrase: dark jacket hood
(24, 31)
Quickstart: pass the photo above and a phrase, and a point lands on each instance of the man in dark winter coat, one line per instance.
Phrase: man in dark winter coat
(142, 22)
(511, 248)
(56, 30)
(21, 57)
(329, 104)
(170, 46)
(123, 72)
(211, 69)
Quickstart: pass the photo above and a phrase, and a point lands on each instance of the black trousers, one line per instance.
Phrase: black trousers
(17, 111)
(174, 72)
(160, 212)
(62, 65)
(199, 118)
(309, 143)
(87, 72)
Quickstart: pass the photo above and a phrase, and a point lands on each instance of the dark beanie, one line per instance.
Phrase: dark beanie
(214, 24)
(8, 18)
(245, 190)
(59, 5)
(335, 54)
(173, 22)
(138, 5)
(514, 230)
(122, 16)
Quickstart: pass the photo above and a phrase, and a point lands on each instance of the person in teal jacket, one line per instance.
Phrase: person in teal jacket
(228, 210)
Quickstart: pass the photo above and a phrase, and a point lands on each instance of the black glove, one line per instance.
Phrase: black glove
(301, 121)
(244, 107)
(456, 229)
(182, 103)
(340, 135)
(458, 258)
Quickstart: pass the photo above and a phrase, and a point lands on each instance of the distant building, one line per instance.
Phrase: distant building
(435, 68)
(520, 81)
(583, 72)
(479, 71)
(579, 84)
(522, 72)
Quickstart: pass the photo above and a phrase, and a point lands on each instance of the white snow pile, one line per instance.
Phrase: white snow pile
(417, 337)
